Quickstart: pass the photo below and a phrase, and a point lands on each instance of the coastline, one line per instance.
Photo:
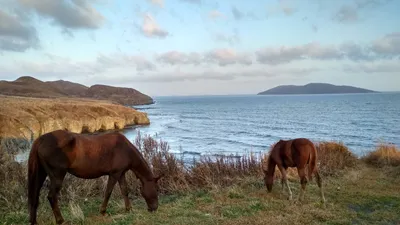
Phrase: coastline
(26, 117)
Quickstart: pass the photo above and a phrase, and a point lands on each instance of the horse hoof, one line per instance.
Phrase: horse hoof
(103, 213)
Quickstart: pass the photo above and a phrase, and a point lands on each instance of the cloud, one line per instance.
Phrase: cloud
(210, 74)
(355, 52)
(227, 38)
(381, 66)
(389, 45)
(285, 54)
(314, 27)
(150, 28)
(104, 62)
(72, 14)
(346, 14)
(16, 34)
(222, 57)
(192, 1)
(227, 56)
(239, 15)
(287, 8)
(350, 13)
(60, 67)
(175, 58)
(214, 14)
(159, 3)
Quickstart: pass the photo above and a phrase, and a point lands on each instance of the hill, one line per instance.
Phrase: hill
(125, 96)
(69, 88)
(31, 87)
(314, 88)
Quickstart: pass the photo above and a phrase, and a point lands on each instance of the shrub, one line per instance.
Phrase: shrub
(334, 157)
(384, 155)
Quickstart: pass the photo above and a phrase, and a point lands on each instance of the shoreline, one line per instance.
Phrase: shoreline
(26, 117)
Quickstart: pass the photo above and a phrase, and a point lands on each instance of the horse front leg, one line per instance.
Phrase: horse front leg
(284, 180)
(124, 190)
(112, 180)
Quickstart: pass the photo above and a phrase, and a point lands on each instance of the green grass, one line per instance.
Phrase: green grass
(363, 196)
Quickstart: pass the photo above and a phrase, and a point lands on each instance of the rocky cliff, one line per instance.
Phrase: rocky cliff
(23, 117)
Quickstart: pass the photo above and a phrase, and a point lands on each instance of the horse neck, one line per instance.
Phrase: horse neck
(271, 166)
(141, 168)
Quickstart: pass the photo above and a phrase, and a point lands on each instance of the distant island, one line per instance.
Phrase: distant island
(314, 88)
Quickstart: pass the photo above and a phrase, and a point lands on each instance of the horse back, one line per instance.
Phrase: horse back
(293, 152)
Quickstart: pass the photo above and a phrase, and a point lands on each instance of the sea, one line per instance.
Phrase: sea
(236, 125)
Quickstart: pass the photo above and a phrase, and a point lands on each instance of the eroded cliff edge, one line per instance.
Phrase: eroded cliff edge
(21, 117)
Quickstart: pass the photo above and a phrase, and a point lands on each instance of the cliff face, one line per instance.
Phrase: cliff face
(31, 87)
(20, 116)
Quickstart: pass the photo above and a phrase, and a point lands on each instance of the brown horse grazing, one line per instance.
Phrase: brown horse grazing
(86, 156)
(293, 153)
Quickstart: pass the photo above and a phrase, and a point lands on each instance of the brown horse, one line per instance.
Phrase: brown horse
(293, 153)
(86, 156)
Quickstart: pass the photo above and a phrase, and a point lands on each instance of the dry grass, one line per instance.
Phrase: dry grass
(384, 155)
(334, 158)
(23, 117)
(221, 190)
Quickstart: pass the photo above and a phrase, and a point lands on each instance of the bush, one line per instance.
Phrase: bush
(13, 185)
(334, 157)
(384, 155)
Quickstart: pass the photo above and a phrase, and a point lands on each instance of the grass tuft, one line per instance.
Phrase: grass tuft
(384, 155)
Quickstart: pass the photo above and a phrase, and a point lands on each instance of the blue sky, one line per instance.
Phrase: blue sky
(192, 47)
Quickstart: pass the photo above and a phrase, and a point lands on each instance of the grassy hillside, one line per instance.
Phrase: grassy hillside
(226, 191)
(31, 87)
(23, 116)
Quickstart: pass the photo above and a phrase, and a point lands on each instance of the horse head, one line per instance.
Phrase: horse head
(268, 180)
(149, 191)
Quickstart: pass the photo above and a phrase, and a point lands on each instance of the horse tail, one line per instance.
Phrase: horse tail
(36, 177)
(312, 163)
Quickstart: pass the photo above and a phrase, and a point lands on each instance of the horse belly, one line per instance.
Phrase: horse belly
(88, 170)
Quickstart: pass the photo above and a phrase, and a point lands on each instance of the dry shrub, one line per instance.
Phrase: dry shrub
(207, 172)
(384, 155)
(13, 185)
(334, 157)
(225, 170)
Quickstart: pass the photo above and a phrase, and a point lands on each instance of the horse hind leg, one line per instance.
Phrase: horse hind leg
(303, 182)
(56, 180)
(124, 190)
(319, 182)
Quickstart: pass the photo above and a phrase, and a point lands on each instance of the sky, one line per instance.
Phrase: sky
(202, 47)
